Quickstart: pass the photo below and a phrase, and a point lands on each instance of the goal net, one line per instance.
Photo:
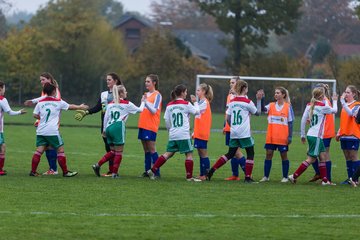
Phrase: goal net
(299, 89)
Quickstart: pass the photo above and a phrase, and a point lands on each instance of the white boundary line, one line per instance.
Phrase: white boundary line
(195, 215)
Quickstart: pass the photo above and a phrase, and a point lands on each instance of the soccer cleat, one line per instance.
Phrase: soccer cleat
(144, 175)
(115, 175)
(108, 174)
(315, 178)
(265, 179)
(292, 179)
(328, 183)
(193, 180)
(3, 173)
(50, 172)
(70, 174)
(346, 181)
(232, 178)
(352, 182)
(284, 180)
(96, 169)
(249, 180)
(202, 178)
(151, 174)
(34, 174)
(209, 174)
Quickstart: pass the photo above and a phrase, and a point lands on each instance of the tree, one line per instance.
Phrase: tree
(3, 25)
(335, 21)
(77, 45)
(250, 22)
(111, 10)
(18, 63)
(162, 55)
(182, 14)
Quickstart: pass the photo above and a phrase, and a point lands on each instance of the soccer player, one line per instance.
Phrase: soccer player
(329, 133)
(149, 121)
(176, 117)
(47, 110)
(315, 112)
(115, 118)
(238, 117)
(105, 98)
(50, 152)
(238, 158)
(4, 108)
(279, 131)
(349, 131)
(202, 127)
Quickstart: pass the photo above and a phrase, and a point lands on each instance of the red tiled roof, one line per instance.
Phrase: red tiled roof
(347, 49)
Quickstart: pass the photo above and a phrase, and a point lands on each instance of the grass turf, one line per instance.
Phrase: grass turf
(87, 207)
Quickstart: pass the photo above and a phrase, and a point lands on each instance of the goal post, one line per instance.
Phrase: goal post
(311, 80)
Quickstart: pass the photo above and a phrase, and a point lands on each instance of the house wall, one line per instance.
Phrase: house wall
(134, 33)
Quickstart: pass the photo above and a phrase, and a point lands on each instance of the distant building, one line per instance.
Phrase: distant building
(134, 30)
(346, 51)
(204, 44)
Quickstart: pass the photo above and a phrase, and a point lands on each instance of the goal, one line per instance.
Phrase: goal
(299, 88)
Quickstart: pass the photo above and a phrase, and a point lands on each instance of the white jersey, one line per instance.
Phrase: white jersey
(177, 116)
(317, 121)
(49, 109)
(5, 108)
(116, 112)
(239, 110)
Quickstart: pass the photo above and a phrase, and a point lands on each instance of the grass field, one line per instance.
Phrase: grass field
(87, 207)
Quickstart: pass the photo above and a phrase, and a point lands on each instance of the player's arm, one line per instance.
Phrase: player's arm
(33, 101)
(82, 113)
(290, 124)
(228, 119)
(167, 119)
(153, 108)
(194, 109)
(6, 107)
(252, 109)
(78, 107)
(304, 120)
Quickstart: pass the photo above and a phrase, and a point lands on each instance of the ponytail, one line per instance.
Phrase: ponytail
(209, 94)
(118, 90)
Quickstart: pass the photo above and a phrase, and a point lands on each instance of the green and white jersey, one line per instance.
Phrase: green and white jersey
(116, 112)
(317, 121)
(49, 109)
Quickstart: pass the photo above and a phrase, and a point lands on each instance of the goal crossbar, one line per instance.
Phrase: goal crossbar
(313, 80)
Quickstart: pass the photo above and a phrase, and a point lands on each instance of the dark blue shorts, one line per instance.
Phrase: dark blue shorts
(327, 142)
(280, 148)
(199, 143)
(146, 135)
(349, 144)
(227, 138)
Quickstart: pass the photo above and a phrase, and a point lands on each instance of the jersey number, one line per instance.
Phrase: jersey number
(237, 118)
(114, 117)
(178, 120)
(48, 114)
(314, 120)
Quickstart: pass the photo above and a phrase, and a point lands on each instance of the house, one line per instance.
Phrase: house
(346, 51)
(204, 44)
(134, 28)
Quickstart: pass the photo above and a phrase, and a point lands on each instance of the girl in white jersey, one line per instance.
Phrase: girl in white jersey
(115, 117)
(238, 117)
(4, 108)
(315, 112)
(47, 110)
(176, 117)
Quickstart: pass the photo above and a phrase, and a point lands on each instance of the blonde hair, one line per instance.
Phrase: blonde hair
(209, 94)
(117, 91)
(326, 89)
(285, 92)
(240, 86)
(317, 93)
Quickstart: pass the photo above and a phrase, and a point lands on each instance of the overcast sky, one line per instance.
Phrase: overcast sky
(142, 6)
